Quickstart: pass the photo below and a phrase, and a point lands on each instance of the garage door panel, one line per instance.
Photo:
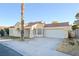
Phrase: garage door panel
(56, 33)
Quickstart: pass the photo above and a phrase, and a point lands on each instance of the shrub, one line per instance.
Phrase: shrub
(2, 32)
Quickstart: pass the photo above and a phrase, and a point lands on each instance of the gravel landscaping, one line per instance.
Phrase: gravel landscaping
(70, 47)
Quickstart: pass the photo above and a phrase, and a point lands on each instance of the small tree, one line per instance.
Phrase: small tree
(54, 22)
(76, 22)
(77, 16)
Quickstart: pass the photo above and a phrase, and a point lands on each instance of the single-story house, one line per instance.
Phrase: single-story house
(39, 29)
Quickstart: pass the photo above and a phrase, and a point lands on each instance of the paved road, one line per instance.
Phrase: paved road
(5, 51)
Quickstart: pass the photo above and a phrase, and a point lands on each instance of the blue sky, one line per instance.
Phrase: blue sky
(62, 12)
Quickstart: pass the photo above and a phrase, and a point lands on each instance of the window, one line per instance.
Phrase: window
(39, 31)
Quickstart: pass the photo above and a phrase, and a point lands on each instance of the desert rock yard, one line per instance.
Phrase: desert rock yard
(69, 46)
(35, 47)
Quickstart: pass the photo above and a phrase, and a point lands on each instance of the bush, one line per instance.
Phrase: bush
(2, 32)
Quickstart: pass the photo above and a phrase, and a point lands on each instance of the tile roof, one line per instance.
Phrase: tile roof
(32, 23)
(57, 24)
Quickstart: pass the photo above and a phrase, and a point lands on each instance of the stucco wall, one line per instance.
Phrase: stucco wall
(17, 33)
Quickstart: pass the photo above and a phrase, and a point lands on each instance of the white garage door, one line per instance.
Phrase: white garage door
(56, 33)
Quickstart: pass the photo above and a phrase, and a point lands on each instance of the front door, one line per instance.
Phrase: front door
(38, 33)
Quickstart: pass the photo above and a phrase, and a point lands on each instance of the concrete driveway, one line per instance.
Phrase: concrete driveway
(36, 47)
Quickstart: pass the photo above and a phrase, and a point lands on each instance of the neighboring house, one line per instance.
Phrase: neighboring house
(3, 27)
(39, 29)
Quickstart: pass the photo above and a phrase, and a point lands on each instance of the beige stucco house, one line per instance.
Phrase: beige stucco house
(39, 29)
